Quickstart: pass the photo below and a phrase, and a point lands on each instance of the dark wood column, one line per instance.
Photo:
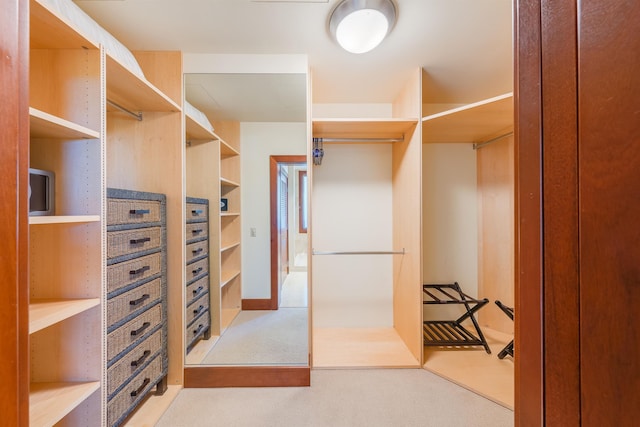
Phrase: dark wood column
(14, 140)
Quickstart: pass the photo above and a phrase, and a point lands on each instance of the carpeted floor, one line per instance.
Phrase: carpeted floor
(341, 398)
(271, 337)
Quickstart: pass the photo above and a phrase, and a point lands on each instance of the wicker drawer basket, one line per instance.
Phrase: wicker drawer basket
(126, 242)
(196, 230)
(196, 289)
(131, 211)
(135, 390)
(123, 369)
(133, 301)
(130, 332)
(197, 212)
(197, 308)
(198, 327)
(197, 269)
(197, 250)
(127, 273)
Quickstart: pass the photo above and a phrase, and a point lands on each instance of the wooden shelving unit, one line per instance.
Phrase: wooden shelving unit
(65, 278)
(230, 282)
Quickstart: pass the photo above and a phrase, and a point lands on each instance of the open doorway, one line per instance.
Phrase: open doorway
(288, 188)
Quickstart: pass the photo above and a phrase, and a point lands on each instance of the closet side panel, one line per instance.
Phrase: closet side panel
(352, 198)
(407, 213)
(496, 231)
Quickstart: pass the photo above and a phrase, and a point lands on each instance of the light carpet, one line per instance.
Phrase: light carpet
(341, 398)
(264, 337)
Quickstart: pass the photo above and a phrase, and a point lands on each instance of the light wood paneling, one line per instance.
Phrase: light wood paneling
(50, 402)
(360, 348)
(148, 155)
(496, 231)
(50, 31)
(163, 69)
(196, 132)
(407, 226)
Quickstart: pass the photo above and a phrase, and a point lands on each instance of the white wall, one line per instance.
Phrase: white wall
(450, 218)
(258, 141)
(352, 211)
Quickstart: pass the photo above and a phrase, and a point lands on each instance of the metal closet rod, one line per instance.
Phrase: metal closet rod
(497, 138)
(137, 116)
(401, 252)
(359, 139)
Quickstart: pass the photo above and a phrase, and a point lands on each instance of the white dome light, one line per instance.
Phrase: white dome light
(361, 25)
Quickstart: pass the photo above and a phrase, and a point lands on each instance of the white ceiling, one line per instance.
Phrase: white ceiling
(465, 46)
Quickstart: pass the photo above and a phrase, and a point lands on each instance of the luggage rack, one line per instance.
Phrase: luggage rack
(508, 350)
(438, 333)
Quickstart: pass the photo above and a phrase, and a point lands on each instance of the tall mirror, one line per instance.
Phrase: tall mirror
(247, 249)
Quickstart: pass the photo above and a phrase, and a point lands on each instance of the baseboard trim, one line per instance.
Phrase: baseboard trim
(246, 376)
(258, 304)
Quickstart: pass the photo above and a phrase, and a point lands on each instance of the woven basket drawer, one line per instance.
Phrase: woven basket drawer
(197, 212)
(196, 289)
(128, 272)
(128, 211)
(139, 386)
(129, 302)
(197, 308)
(121, 371)
(195, 330)
(196, 250)
(196, 230)
(131, 241)
(197, 269)
(131, 331)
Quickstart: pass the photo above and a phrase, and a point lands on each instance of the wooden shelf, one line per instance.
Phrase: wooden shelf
(44, 313)
(134, 93)
(196, 132)
(229, 246)
(63, 219)
(228, 276)
(45, 125)
(229, 214)
(362, 128)
(228, 183)
(475, 122)
(50, 402)
(226, 150)
(48, 31)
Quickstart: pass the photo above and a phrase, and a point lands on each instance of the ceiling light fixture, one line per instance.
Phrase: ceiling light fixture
(361, 25)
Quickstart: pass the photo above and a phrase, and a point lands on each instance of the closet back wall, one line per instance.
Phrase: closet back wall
(352, 211)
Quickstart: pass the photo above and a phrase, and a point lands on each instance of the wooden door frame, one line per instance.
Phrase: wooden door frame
(14, 226)
(274, 161)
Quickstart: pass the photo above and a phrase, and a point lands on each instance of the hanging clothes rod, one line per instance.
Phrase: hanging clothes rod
(497, 138)
(402, 252)
(360, 139)
(137, 116)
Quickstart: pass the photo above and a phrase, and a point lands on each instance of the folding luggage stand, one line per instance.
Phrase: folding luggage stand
(509, 347)
(439, 333)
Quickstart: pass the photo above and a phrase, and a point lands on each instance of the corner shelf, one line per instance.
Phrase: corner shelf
(50, 402)
(475, 122)
(227, 276)
(51, 31)
(229, 214)
(226, 150)
(228, 183)
(224, 248)
(44, 313)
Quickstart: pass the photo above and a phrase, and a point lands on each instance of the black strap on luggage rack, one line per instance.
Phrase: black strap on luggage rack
(508, 349)
(439, 333)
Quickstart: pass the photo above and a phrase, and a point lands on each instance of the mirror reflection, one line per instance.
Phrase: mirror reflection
(249, 305)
